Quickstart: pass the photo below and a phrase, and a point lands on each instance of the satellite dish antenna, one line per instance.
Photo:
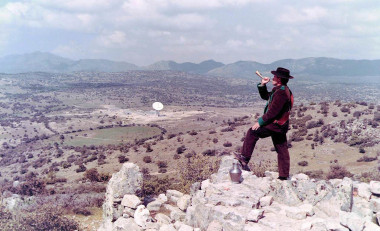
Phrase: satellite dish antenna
(158, 106)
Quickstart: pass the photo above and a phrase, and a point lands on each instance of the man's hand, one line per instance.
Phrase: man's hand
(265, 80)
(255, 126)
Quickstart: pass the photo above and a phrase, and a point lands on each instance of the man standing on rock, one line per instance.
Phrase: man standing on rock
(274, 122)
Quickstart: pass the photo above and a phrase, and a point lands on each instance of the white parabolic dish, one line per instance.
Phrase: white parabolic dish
(157, 106)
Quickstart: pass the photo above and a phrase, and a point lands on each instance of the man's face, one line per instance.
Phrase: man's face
(276, 81)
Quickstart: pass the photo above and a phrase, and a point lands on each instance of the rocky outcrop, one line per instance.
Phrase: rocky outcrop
(257, 203)
(128, 181)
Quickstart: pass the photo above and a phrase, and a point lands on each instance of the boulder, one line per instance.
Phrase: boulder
(308, 209)
(295, 213)
(184, 227)
(167, 228)
(364, 191)
(173, 195)
(142, 216)
(300, 176)
(177, 214)
(351, 220)
(162, 197)
(127, 181)
(154, 205)
(370, 226)
(129, 212)
(123, 224)
(266, 201)
(271, 175)
(184, 202)
(375, 204)
(163, 219)
(375, 187)
(130, 201)
(255, 215)
(215, 226)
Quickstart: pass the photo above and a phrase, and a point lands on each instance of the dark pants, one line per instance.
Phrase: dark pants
(280, 144)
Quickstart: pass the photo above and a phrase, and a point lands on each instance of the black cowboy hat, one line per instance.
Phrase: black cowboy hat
(282, 73)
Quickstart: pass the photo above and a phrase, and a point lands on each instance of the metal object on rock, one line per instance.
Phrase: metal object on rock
(235, 173)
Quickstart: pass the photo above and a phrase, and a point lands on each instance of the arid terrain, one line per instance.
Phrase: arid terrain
(63, 135)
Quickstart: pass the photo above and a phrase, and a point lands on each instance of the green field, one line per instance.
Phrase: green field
(109, 136)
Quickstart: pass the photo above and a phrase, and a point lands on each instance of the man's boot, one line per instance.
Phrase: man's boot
(242, 160)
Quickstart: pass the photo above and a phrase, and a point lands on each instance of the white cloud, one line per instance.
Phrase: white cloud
(113, 39)
(309, 14)
(226, 30)
(79, 5)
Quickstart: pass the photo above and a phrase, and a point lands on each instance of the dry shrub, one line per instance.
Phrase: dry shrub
(260, 168)
(209, 152)
(43, 218)
(366, 159)
(196, 169)
(303, 163)
(154, 185)
(31, 187)
(147, 159)
(227, 144)
(94, 176)
(369, 176)
(122, 159)
(181, 149)
(338, 172)
(317, 174)
(162, 164)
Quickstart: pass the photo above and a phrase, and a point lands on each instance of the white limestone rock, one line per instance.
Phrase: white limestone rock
(375, 187)
(131, 201)
(370, 226)
(177, 224)
(255, 215)
(167, 228)
(173, 195)
(215, 226)
(362, 207)
(163, 219)
(154, 205)
(266, 201)
(351, 220)
(271, 175)
(375, 204)
(123, 224)
(300, 176)
(335, 225)
(162, 197)
(128, 211)
(184, 227)
(177, 215)
(184, 202)
(295, 213)
(205, 184)
(308, 209)
(364, 191)
(283, 191)
(127, 181)
(256, 227)
(142, 216)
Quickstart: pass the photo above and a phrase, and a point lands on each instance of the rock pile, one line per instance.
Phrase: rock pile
(257, 203)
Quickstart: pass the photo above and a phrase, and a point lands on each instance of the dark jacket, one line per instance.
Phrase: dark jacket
(278, 104)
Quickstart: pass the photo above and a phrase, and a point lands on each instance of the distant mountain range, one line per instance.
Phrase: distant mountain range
(47, 62)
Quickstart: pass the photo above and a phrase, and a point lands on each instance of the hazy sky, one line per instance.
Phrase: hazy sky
(146, 31)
